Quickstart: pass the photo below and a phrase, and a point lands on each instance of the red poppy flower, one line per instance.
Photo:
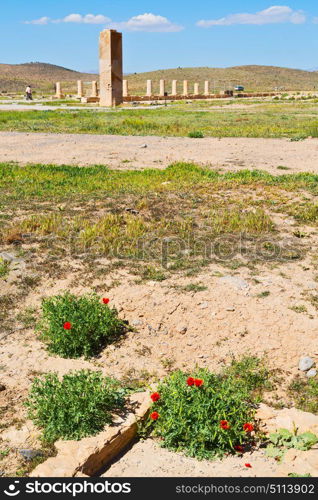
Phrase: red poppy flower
(248, 465)
(198, 382)
(67, 325)
(154, 415)
(248, 427)
(106, 301)
(239, 448)
(224, 425)
(155, 396)
(190, 381)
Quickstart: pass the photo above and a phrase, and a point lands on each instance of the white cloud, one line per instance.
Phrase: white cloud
(273, 15)
(42, 20)
(143, 22)
(148, 22)
(87, 19)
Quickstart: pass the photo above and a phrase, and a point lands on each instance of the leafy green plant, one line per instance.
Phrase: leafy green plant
(78, 326)
(4, 268)
(79, 405)
(253, 373)
(204, 415)
(283, 439)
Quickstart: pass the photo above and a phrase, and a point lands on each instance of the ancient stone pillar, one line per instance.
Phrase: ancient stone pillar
(206, 88)
(125, 88)
(79, 88)
(58, 92)
(174, 87)
(162, 86)
(196, 89)
(110, 68)
(94, 89)
(149, 88)
(185, 87)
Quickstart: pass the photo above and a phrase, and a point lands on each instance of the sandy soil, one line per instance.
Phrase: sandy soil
(129, 152)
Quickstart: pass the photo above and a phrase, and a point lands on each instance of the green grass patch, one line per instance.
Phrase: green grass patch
(305, 393)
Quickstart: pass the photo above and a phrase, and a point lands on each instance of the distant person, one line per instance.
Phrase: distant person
(28, 93)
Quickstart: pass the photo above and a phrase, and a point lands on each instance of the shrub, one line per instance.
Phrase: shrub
(196, 134)
(203, 415)
(78, 326)
(79, 405)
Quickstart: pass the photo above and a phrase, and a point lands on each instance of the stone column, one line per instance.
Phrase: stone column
(162, 86)
(58, 92)
(174, 87)
(125, 88)
(206, 88)
(110, 68)
(149, 88)
(196, 89)
(185, 88)
(94, 89)
(79, 88)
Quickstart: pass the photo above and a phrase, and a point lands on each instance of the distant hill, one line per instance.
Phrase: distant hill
(42, 76)
(252, 77)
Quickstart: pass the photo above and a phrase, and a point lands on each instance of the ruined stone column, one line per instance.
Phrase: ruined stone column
(79, 88)
(149, 88)
(110, 68)
(94, 89)
(185, 87)
(58, 92)
(206, 88)
(174, 87)
(196, 89)
(162, 86)
(125, 88)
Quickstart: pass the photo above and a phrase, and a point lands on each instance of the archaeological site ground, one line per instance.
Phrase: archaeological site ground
(159, 275)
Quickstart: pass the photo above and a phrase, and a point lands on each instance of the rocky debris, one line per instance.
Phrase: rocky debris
(305, 363)
(2, 387)
(311, 373)
(204, 305)
(91, 454)
(136, 322)
(230, 309)
(271, 420)
(235, 281)
(143, 146)
(132, 211)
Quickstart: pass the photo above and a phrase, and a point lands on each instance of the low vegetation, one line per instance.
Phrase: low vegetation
(78, 326)
(205, 414)
(78, 405)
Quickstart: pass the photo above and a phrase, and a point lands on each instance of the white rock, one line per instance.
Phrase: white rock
(305, 363)
(311, 373)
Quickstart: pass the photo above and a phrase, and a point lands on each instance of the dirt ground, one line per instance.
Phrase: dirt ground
(135, 152)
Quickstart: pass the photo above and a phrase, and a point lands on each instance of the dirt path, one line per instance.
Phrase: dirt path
(137, 152)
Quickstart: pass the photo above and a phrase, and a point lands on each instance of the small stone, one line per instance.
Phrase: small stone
(136, 322)
(143, 146)
(231, 309)
(305, 363)
(30, 454)
(2, 387)
(311, 373)
(182, 329)
(204, 305)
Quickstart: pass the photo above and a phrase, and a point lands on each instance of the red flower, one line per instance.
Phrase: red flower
(190, 381)
(67, 325)
(155, 396)
(224, 425)
(248, 427)
(239, 448)
(154, 415)
(248, 465)
(106, 301)
(198, 382)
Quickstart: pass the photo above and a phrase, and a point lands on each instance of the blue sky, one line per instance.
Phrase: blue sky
(162, 34)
